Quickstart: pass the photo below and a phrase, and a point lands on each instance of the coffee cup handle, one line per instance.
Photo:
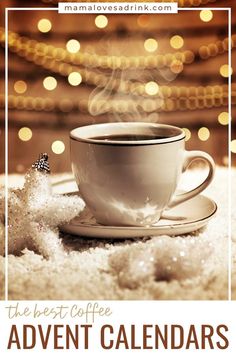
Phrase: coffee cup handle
(191, 156)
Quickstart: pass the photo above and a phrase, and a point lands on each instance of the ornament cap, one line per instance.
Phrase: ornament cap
(42, 164)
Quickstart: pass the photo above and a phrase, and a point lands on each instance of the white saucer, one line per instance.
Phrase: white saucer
(184, 218)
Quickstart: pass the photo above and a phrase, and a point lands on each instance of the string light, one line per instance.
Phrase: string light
(181, 3)
(194, 2)
(50, 83)
(20, 86)
(101, 21)
(203, 133)
(176, 42)
(218, 47)
(25, 134)
(206, 15)
(176, 98)
(52, 56)
(58, 147)
(149, 105)
(150, 45)
(44, 25)
(195, 91)
(73, 46)
(74, 78)
(225, 70)
(190, 103)
(223, 118)
(92, 78)
(151, 88)
(187, 134)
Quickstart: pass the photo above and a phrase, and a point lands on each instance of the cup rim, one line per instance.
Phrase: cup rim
(180, 134)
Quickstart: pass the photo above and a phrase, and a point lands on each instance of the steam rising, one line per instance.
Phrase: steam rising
(123, 96)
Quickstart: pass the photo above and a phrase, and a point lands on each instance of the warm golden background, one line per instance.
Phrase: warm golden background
(160, 68)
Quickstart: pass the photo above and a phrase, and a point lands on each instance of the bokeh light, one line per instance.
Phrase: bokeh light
(20, 86)
(20, 168)
(223, 118)
(225, 160)
(233, 146)
(73, 46)
(44, 25)
(176, 42)
(225, 70)
(25, 134)
(150, 45)
(153, 117)
(176, 66)
(66, 105)
(58, 147)
(187, 134)
(74, 78)
(206, 15)
(151, 88)
(101, 21)
(143, 20)
(50, 83)
(203, 133)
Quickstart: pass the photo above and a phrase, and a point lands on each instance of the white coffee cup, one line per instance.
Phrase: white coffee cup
(132, 182)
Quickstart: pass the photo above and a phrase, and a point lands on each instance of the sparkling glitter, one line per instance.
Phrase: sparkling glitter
(163, 258)
(35, 213)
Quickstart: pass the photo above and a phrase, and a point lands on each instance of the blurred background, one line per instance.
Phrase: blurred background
(67, 71)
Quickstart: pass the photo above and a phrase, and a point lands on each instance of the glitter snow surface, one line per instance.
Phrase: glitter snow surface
(193, 266)
(162, 259)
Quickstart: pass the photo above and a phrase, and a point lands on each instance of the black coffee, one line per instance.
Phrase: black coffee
(128, 137)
